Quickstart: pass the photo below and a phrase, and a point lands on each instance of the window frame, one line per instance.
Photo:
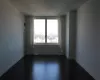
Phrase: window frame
(43, 17)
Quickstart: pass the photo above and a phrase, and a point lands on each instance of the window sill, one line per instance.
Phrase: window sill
(47, 44)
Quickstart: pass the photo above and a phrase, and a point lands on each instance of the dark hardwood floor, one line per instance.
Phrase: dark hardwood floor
(46, 68)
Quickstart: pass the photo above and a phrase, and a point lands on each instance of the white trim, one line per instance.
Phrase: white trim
(43, 17)
(46, 44)
(45, 30)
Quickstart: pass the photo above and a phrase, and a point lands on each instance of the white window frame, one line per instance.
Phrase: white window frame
(46, 30)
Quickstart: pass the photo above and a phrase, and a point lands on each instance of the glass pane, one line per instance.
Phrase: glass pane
(52, 31)
(39, 30)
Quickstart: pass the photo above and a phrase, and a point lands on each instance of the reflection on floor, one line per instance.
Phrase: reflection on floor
(46, 68)
(45, 71)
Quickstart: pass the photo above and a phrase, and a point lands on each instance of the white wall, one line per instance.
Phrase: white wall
(11, 36)
(63, 33)
(71, 34)
(28, 35)
(88, 37)
(67, 35)
(47, 50)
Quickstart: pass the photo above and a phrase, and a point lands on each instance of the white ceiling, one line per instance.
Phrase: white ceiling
(46, 7)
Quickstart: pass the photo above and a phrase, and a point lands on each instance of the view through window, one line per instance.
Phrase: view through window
(52, 31)
(39, 30)
(45, 30)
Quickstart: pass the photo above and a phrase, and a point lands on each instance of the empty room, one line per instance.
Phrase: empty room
(49, 40)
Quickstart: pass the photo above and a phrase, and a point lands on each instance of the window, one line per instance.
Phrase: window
(45, 31)
(39, 30)
(52, 31)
